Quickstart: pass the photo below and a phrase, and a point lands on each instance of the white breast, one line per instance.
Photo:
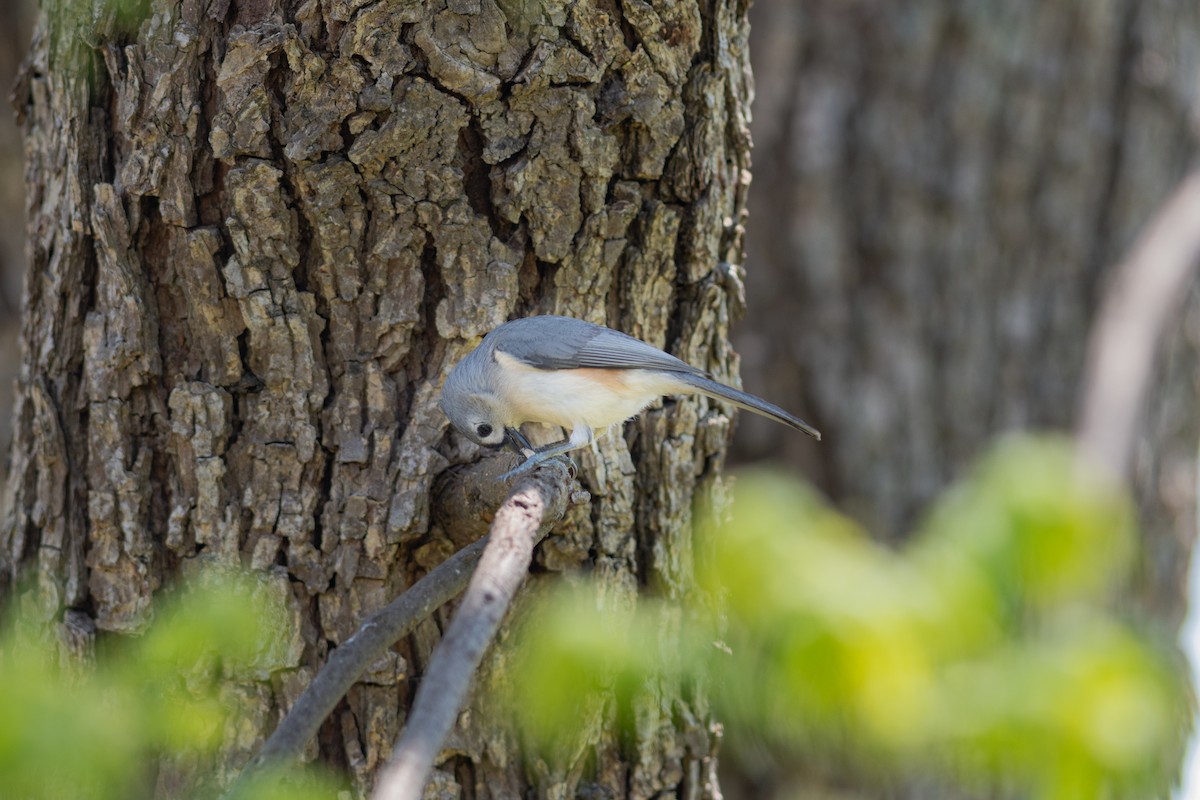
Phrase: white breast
(567, 397)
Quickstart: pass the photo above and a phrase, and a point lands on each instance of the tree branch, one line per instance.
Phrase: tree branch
(537, 502)
(1147, 289)
(462, 499)
(346, 663)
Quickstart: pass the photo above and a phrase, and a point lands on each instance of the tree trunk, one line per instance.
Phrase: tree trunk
(941, 188)
(14, 36)
(259, 236)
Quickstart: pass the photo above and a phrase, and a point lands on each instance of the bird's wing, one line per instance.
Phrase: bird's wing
(564, 343)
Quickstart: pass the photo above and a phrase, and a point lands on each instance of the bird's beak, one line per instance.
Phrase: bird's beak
(519, 442)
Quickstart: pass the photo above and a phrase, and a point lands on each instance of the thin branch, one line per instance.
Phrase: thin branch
(1147, 289)
(538, 500)
(470, 493)
(348, 661)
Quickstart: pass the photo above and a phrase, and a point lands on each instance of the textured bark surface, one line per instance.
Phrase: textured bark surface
(259, 235)
(941, 188)
(14, 38)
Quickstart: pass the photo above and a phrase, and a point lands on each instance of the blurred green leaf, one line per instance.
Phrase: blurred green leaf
(95, 731)
(290, 783)
(988, 642)
(61, 733)
(1033, 525)
(582, 655)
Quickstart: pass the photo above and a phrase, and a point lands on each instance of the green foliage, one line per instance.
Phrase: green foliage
(987, 645)
(595, 650)
(94, 730)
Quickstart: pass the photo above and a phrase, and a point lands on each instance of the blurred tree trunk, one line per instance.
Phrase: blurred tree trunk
(14, 37)
(259, 235)
(940, 189)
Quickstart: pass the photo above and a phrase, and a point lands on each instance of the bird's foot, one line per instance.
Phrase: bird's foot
(536, 460)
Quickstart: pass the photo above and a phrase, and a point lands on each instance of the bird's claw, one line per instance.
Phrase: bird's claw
(520, 469)
(536, 460)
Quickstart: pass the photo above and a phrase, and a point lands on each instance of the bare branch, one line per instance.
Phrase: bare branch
(379, 632)
(1145, 292)
(538, 500)
(468, 496)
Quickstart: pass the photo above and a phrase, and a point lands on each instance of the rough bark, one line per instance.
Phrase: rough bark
(260, 233)
(537, 502)
(14, 37)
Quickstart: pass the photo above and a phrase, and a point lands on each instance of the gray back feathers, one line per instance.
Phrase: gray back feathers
(551, 342)
(470, 396)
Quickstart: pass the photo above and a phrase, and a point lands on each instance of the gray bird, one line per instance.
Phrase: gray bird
(577, 375)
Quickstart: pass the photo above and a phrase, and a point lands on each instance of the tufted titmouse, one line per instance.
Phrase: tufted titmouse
(574, 374)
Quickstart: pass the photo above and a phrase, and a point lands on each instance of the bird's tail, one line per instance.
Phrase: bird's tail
(749, 402)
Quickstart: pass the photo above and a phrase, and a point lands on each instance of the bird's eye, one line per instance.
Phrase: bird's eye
(483, 430)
